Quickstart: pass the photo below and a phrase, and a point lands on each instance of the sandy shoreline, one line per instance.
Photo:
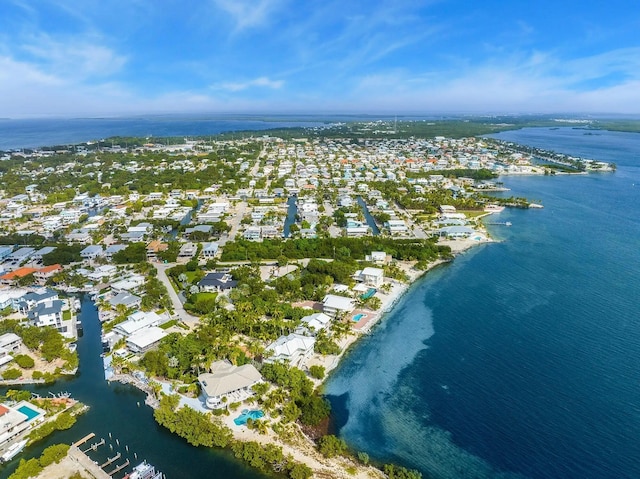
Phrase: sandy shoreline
(389, 300)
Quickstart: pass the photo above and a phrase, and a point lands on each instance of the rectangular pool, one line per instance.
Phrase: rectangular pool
(30, 413)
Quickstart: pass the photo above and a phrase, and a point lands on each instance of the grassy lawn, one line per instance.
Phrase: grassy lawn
(203, 296)
(191, 275)
(66, 315)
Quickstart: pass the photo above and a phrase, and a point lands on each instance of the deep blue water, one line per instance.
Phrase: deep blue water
(519, 359)
(50, 132)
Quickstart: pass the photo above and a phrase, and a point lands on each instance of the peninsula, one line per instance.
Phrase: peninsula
(231, 275)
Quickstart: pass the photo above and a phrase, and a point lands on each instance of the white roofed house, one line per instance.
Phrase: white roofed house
(226, 383)
(145, 339)
(333, 305)
(139, 321)
(373, 277)
(317, 321)
(294, 349)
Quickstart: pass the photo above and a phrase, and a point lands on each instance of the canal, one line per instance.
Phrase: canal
(292, 212)
(119, 410)
(367, 216)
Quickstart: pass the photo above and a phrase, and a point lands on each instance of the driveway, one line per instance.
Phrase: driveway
(179, 310)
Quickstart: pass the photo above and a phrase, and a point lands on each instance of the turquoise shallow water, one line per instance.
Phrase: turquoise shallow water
(520, 359)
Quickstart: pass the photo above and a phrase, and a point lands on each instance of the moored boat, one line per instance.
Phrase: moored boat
(13, 451)
(144, 471)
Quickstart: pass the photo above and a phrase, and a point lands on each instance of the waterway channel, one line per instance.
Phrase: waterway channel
(367, 216)
(292, 212)
(120, 410)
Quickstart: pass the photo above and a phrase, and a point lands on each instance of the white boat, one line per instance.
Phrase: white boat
(13, 451)
(144, 471)
(493, 208)
(535, 205)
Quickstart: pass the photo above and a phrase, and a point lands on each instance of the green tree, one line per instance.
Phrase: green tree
(331, 446)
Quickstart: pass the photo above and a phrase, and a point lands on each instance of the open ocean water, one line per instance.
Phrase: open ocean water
(521, 358)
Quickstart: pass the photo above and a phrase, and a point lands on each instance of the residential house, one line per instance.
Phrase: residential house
(332, 305)
(316, 322)
(145, 340)
(373, 277)
(217, 282)
(188, 251)
(37, 256)
(294, 349)
(43, 274)
(226, 383)
(50, 313)
(138, 321)
(91, 252)
(209, 250)
(128, 300)
(113, 249)
(154, 248)
(14, 422)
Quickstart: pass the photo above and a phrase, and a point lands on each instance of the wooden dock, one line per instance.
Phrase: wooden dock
(119, 468)
(84, 439)
(110, 460)
(94, 446)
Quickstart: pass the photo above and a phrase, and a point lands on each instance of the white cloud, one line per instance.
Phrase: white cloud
(79, 56)
(264, 82)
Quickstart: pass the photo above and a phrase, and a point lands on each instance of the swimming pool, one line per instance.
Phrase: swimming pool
(358, 317)
(30, 413)
(370, 292)
(241, 420)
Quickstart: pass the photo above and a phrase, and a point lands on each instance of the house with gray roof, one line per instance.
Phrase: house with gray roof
(228, 381)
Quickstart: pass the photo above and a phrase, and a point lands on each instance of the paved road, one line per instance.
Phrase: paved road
(179, 310)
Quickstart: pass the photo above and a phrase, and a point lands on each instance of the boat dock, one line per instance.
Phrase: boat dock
(94, 446)
(110, 460)
(84, 439)
(119, 468)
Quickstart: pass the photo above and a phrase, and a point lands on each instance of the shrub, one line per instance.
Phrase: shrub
(316, 371)
(331, 446)
(11, 374)
(24, 361)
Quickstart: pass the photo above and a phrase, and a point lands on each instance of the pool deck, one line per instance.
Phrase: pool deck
(364, 320)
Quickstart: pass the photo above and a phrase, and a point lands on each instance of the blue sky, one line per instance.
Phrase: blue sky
(112, 57)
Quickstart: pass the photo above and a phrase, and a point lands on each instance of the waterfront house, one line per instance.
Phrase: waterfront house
(16, 419)
(128, 300)
(145, 339)
(226, 383)
(50, 313)
(316, 322)
(139, 321)
(333, 305)
(294, 349)
(373, 277)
